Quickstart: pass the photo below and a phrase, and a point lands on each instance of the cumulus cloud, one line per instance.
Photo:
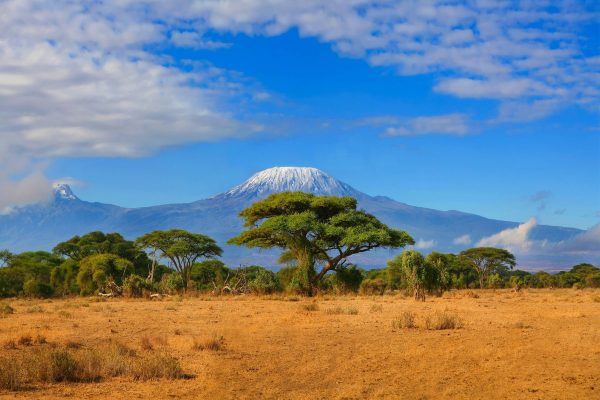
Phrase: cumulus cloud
(463, 240)
(425, 244)
(513, 239)
(518, 240)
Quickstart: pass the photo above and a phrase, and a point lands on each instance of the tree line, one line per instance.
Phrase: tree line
(316, 234)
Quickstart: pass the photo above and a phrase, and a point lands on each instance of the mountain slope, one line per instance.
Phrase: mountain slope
(42, 226)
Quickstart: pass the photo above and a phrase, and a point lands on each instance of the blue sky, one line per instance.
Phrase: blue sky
(491, 109)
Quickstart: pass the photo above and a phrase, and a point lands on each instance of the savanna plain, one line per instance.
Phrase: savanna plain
(483, 344)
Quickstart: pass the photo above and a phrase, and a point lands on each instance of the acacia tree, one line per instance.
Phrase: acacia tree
(323, 230)
(181, 248)
(488, 260)
(5, 257)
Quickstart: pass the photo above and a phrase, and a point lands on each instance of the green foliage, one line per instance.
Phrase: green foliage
(264, 282)
(181, 248)
(11, 282)
(171, 283)
(209, 273)
(313, 229)
(5, 257)
(495, 281)
(285, 276)
(488, 260)
(99, 269)
(372, 286)
(35, 288)
(415, 273)
(64, 278)
(346, 279)
(135, 285)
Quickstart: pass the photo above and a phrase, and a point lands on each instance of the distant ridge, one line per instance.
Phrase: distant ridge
(41, 226)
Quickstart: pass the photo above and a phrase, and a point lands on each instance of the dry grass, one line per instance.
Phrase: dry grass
(406, 320)
(540, 344)
(339, 310)
(6, 309)
(310, 307)
(215, 343)
(442, 320)
(146, 343)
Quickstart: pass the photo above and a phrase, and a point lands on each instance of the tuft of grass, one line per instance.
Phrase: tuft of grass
(442, 321)
(596, 299)
(339, 310)
(177, 332)
(213, 344)
(522, 325)
(25, 340)
(293, 298)
(161, 340)
(10, 345)
(35, 309)
(6, 309)
(156, 366)
(470, 294)
(11, 374)
(376, 308)
(310, 307)
(406, 320)
(39, 339)
(71, 344)
(65, 314)
(145, 343)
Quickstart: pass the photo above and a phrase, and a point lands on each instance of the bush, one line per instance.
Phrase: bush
(264, 282)
(213, 344)
(310, 307)
(406, 320)
(372, 286)
(593, 280)
(135, 285)
(34, 288)
(11, 374)
(157, 366)
(442, 320)
(171, 283)
(6, 309)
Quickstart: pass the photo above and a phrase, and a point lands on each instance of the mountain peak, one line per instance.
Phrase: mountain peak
(291, 179)
(62, 191)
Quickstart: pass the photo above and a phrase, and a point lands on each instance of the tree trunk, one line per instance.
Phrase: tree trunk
(305, 273)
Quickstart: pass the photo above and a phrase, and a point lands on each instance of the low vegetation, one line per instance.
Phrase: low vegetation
(52, 364)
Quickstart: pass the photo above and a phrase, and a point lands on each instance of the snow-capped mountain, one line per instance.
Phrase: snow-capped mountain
(297, 179)
(42, 226)
(63, 191)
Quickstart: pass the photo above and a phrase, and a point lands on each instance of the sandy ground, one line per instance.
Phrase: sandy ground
(536, 344)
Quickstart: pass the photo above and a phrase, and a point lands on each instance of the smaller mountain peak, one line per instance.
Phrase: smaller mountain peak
(63, 191)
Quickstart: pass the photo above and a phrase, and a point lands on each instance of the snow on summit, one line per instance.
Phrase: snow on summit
(282, 179)
(63, 191)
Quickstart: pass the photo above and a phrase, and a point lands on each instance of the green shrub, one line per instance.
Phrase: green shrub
(264, 282)
(372, 287)
(34, 288)
(135, 285)
(171, 283)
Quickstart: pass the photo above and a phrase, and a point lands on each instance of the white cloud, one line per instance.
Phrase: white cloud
(450, 124)
(463, 240)
(512, 239)
(425, 244)
(518, 240)
(77, 79)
